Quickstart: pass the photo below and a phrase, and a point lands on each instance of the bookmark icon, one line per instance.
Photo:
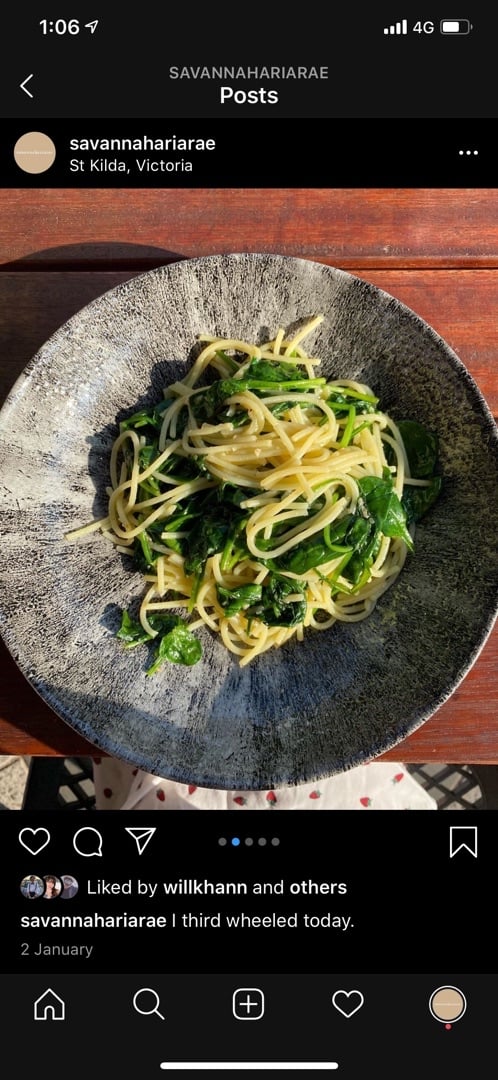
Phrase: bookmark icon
(463, 838)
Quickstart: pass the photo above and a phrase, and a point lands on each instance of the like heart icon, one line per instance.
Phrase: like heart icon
(347, 1002)
(34, 840)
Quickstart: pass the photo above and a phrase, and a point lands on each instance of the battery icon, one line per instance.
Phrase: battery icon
(455, 26)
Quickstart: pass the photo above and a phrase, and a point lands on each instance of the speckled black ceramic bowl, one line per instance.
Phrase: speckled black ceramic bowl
(301, 712)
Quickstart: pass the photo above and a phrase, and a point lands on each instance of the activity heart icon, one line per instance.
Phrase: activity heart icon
(34, 840)
(347, 1002)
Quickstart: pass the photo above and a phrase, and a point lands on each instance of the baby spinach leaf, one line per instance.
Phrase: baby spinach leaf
(149, 555)
(337, 531)
(282, 407)
(275, 609)
(358, 569)
(416, 501)
(234, 416)
(233, 495)
(151, 418)
(144, 418)
(208, 402)
(261, 376)
(179, 646)
(341, 399)
(234, 600)
(305, 556)
(235, 548)
(269, 371)
(421, 448)
(361, 530)
(206, 540)
(131, 632)
(385, 507)
(147, 454)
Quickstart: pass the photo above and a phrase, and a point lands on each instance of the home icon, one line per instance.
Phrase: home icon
(49, 1006)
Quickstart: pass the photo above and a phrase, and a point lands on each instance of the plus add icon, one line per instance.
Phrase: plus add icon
(248, 1003)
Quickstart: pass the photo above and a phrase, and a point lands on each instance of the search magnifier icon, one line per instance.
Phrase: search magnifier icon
(148, 1010)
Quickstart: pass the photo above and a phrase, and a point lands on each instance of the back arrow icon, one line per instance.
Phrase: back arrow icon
(23, 85)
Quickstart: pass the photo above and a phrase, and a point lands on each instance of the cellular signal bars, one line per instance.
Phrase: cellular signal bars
(397, 28)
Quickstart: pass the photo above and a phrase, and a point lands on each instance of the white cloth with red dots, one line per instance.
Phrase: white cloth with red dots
(376, 786)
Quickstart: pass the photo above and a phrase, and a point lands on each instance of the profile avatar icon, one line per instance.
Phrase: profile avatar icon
(53, 887)
(32, 887)
(69, 887)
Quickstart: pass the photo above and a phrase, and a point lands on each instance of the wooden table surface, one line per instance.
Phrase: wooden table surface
(436, 250)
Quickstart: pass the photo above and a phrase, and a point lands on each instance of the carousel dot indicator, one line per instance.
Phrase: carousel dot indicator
(235, 841)
(222, 841)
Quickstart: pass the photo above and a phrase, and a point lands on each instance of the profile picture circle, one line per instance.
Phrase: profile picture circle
(32, 886)
(34, 152)
(69, 887)
(53, 886)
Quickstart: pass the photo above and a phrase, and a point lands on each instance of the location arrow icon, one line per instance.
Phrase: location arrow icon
(141, 837)
(23, 85)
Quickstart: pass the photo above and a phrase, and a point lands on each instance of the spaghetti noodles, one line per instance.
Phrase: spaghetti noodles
(261, 503)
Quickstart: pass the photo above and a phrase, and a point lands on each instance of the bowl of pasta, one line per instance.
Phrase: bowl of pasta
(247, 489)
